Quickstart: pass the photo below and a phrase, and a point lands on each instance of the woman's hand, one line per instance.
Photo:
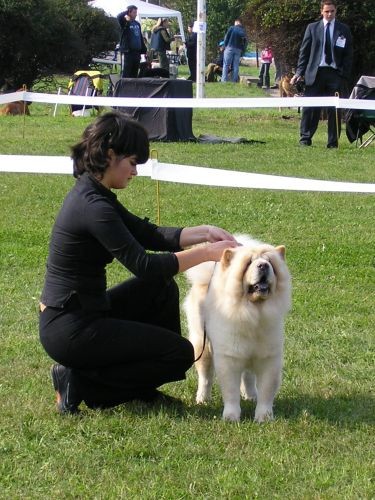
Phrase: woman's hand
(203, 253)
(215, 250)
(218, 234)
(203, 234)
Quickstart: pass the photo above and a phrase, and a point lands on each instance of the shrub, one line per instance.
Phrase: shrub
(41, 37)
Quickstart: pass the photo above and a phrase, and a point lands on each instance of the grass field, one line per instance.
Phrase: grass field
(321, 444)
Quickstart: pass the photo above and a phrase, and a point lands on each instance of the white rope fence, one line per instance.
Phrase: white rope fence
(224, 103)
(186, 174)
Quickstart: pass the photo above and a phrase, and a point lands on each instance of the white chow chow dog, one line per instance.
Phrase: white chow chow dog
(240, 302)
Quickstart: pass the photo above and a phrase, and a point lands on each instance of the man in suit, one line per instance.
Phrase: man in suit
(325, 62)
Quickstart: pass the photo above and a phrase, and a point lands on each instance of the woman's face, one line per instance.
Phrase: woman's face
(120, 171)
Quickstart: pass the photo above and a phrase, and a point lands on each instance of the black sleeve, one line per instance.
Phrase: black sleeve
(304, 53)
(121, 19)
(126, 237)
(348, 59)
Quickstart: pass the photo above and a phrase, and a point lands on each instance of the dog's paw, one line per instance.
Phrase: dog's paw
(232, 414)
(202, 398)
(231, 417)
(263, 415)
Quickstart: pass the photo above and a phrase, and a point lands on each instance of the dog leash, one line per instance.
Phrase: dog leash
(204, 344)
(204, 326)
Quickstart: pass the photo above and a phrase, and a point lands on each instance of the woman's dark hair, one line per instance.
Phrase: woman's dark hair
(112, 130)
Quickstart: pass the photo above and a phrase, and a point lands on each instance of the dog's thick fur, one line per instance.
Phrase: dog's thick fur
(241, 302)
(16, 108)
(287, 89)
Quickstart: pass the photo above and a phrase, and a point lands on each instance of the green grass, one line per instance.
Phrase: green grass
(321, 444)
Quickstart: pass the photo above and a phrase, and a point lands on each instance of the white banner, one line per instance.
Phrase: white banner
(51, 165)
(186, 174)
(220, 103)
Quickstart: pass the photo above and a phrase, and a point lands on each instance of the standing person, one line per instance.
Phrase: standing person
(191, 52)
(235, 43)
(266, 57)
(132, 44)
(325, 61)
(115, 345)
(161, 41)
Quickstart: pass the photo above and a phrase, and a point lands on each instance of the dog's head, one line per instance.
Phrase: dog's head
(257, 270)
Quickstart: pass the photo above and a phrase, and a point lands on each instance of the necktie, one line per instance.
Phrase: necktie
(328, 46)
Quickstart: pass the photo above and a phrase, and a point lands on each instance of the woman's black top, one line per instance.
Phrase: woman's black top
(91, 229)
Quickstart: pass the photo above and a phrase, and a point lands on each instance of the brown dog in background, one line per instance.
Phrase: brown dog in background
(287, 89)
(16, 108)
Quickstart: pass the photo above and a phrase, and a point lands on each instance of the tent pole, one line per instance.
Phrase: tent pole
(200, 28)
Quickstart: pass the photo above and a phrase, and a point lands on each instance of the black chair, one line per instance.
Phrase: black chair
(360, 122)
(366, 123)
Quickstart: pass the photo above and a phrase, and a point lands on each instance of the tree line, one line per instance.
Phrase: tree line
(42, 37)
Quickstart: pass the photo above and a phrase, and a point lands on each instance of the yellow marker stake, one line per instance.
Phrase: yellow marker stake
(337, 120)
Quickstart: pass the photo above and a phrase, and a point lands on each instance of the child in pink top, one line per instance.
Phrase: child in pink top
(264, 75)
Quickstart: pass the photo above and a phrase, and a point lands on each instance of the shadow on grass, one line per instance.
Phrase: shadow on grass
(346, 411)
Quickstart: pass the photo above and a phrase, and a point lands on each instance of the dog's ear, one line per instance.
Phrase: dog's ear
(281, 251)
(226, 257)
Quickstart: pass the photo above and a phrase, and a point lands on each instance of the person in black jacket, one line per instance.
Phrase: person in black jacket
(191, 52)
(132, 44)
(122, 343)
(325, 62)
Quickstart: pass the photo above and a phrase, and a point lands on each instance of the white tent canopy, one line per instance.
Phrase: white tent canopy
(114, 7)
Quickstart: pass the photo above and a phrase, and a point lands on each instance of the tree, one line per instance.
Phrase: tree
(220, 15)
(42, 37)
(281, 23)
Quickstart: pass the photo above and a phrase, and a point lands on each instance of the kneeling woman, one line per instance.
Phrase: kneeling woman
(115, 345)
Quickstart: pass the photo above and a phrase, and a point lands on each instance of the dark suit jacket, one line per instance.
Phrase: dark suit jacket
(312, 46)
